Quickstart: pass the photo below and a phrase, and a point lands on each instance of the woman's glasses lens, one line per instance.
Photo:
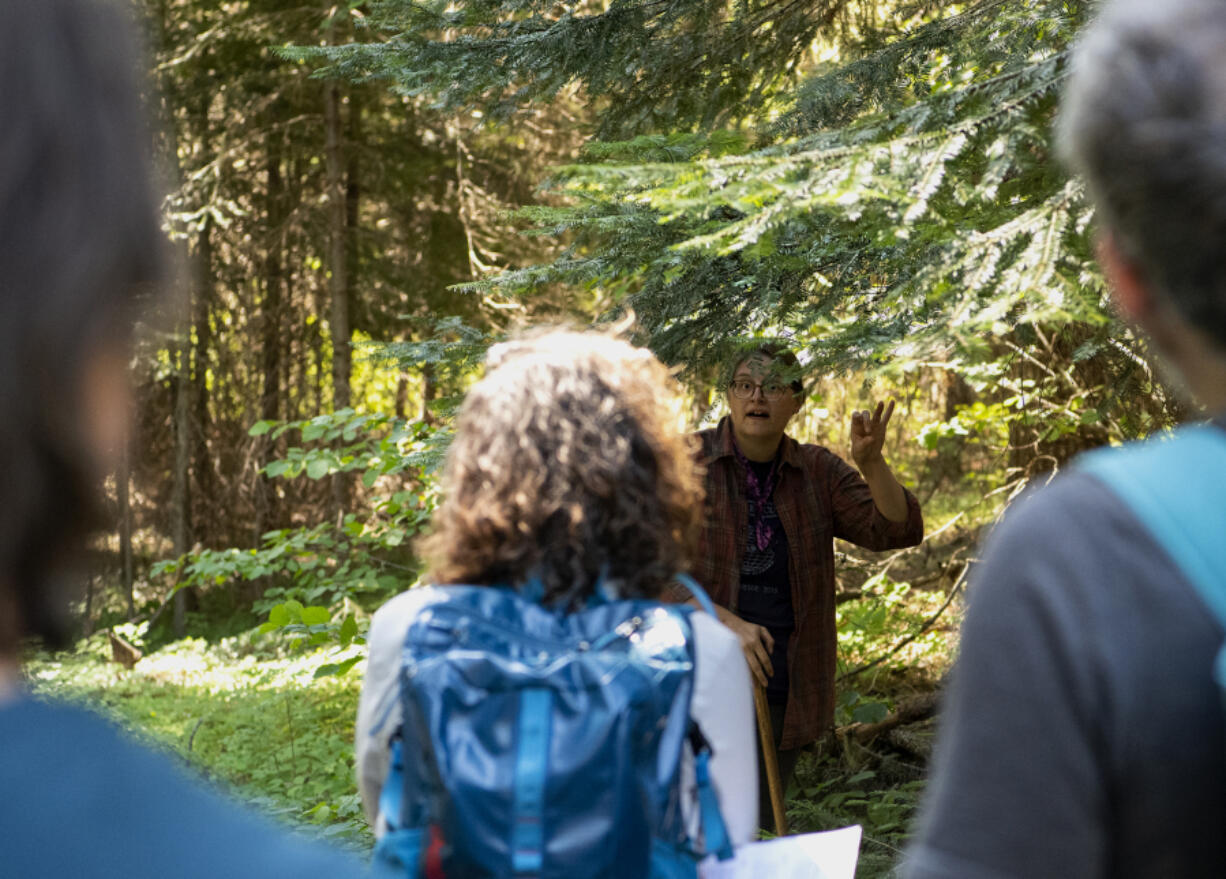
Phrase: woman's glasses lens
(743, 390)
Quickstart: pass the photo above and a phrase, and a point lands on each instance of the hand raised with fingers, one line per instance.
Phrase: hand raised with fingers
(868, 434)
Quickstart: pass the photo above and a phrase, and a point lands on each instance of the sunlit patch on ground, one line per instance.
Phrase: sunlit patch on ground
(240, 712)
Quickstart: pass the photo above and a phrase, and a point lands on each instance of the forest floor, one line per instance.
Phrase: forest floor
(249, 718)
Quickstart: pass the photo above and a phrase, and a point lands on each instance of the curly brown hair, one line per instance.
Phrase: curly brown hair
(568, 465)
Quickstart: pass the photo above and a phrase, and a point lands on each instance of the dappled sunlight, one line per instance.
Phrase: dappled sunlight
(249, 717)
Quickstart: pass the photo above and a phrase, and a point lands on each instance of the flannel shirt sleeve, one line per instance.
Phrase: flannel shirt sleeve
(855, 514)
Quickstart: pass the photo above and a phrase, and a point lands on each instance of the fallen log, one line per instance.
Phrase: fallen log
(910, 710)
(123, 651)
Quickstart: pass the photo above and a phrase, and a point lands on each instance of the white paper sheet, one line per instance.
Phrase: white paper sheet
(828, 855)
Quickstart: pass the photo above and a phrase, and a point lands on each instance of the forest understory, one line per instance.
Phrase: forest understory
(251, 712)
(365, 196)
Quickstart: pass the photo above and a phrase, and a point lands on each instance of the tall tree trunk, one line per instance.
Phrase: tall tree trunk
(338, 263)
(429, 390)
(402, 395)
(317, 355)
(353, 188)
(88, 621)
(123, 479)
(181, 500)
(946, 466)
(266, 514)
(205, 489)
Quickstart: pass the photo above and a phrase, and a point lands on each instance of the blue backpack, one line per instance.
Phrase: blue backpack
(1176, 487)
(539, 743)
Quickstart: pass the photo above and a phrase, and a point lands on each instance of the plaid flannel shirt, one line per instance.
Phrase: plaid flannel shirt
(819, 497)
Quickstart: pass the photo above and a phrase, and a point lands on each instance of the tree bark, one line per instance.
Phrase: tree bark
(429, 390)
(338, 263)
(202, 462)
(266, 506)
(123, 479)
(87, 625)
(402, 395)
(911, 710)
(180, 503)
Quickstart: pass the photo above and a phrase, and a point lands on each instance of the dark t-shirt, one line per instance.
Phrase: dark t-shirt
(1082, 733)
(79, 799)
(766, 593)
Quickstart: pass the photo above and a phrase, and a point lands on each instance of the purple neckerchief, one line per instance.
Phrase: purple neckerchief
(759, 494)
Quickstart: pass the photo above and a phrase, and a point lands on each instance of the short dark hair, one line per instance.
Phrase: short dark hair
(1144, 121)
(785, 362)
(79, 240)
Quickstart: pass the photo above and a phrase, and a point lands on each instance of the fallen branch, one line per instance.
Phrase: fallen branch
(910, 710)
(928, 624)
(916, 583)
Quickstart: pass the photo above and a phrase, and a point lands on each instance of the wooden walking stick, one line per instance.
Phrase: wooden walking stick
(766, 736)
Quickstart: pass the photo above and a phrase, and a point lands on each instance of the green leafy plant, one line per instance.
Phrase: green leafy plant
(313, 574)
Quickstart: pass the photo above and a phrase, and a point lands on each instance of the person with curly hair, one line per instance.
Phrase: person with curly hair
(766, 554)
(81, 249)
(569, 475)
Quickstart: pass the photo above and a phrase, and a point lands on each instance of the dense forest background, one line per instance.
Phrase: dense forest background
(364, 195)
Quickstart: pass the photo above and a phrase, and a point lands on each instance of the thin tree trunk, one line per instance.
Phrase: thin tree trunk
(429, 390)
(123, 479)
(180, 503)
(296, 389)
(202, 464)
(338, 263)
(353, 188)
(266, 514)
(402, 395)
(317, 357)
(87, 624)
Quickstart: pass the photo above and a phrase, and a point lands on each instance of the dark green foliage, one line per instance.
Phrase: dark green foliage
(897, 201)
(828, 794)
(243, 137)
(312, 576)
(884, 216)
(651, 64)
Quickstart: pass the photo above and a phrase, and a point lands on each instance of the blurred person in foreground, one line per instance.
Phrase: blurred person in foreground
(1083, 733)
(79, 243)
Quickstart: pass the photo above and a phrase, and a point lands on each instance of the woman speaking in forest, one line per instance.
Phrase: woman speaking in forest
(766, 553)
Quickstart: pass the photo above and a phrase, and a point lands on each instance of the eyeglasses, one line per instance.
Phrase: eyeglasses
(771, 390)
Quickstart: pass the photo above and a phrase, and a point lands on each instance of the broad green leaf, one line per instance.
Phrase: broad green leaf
(870, 712)
(349, 630)
(338, 668)
(316, 615)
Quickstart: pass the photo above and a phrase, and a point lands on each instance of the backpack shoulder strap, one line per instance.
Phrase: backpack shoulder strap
(1176, 487)
(714, 829)
(700, 594)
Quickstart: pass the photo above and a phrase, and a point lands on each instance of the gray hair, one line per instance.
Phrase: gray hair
(1144, 121)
